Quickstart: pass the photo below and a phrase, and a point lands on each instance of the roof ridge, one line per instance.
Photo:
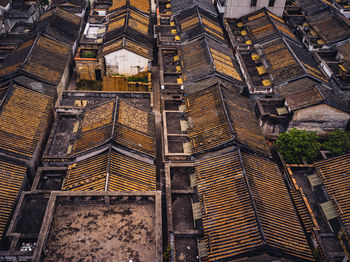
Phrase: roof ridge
(30, 51)
(256, 213)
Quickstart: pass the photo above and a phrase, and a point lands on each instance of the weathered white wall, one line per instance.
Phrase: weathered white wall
(321, 118)
(125, 62)
(238, 8)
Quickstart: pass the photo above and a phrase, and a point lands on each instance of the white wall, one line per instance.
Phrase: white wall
(125, 62)
(321, 118)
(238, 8)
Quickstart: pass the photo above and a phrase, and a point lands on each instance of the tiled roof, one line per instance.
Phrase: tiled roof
(195, 22)
(295, 86)
(288, 61)
(111, 171)
(204, 57)
(218, 116)
(311, 6)
(209, 126)
(178, 6)
(263, 25)
(87, 175)
(244, 122)
(23, 119)
(92, 139)
(35, 57)
(130, 30)
(11, 181)
(334, 173)
(95, 127)
(330, 25)
(127, 173)
(344, 50)
(60, 25)
(135, 129)
(139, 5)
(98, 116)
(304, 98)
(73, 6)
(306, 92)
(246, 206)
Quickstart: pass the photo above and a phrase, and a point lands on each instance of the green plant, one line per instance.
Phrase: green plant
(298, 145)
(166, 254)
(338, 142)
(142, 79)
(89, 85)
(88, 54)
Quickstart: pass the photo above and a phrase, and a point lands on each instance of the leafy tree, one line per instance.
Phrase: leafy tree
(338, 142)
(298, 145)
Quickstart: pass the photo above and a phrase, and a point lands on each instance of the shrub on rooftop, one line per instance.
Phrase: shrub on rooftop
(297, 146)
(338, 142)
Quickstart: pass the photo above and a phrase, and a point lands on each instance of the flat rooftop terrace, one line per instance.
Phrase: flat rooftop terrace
(101, 226)
(91, 232)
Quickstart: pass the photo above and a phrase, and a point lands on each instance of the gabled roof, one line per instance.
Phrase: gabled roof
(110, 171)
(288, 61)
(219, 117)
(304, 98)
(60, 25)
(306, 92)
(135, 129)
(335, 175)
(95, 127)
(330, 25)
(344, 50)
(246, 209)
(130, 30)
(262, 26)
(178, 6)
(34, 58)
(11, 181)
(23, 120)
(196, 22)
(119, 122)
(138, 5)
(311, 6)
(73, 6)
(203, 58)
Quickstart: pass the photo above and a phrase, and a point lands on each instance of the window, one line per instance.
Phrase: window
(271, 2)
(253, 2)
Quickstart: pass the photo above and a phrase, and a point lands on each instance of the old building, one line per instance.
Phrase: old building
(236, 8)
(244, 215)
(77, 7)
(30, 64)
(217, 117)
(205, 62)
(25, 118)
(178, 6)
(196, 22)
(22, 11)
(13, 180)
(110, 171)
(128, 46)
(318, 190)
(62, 26)
(269, 53)
(303, 104)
